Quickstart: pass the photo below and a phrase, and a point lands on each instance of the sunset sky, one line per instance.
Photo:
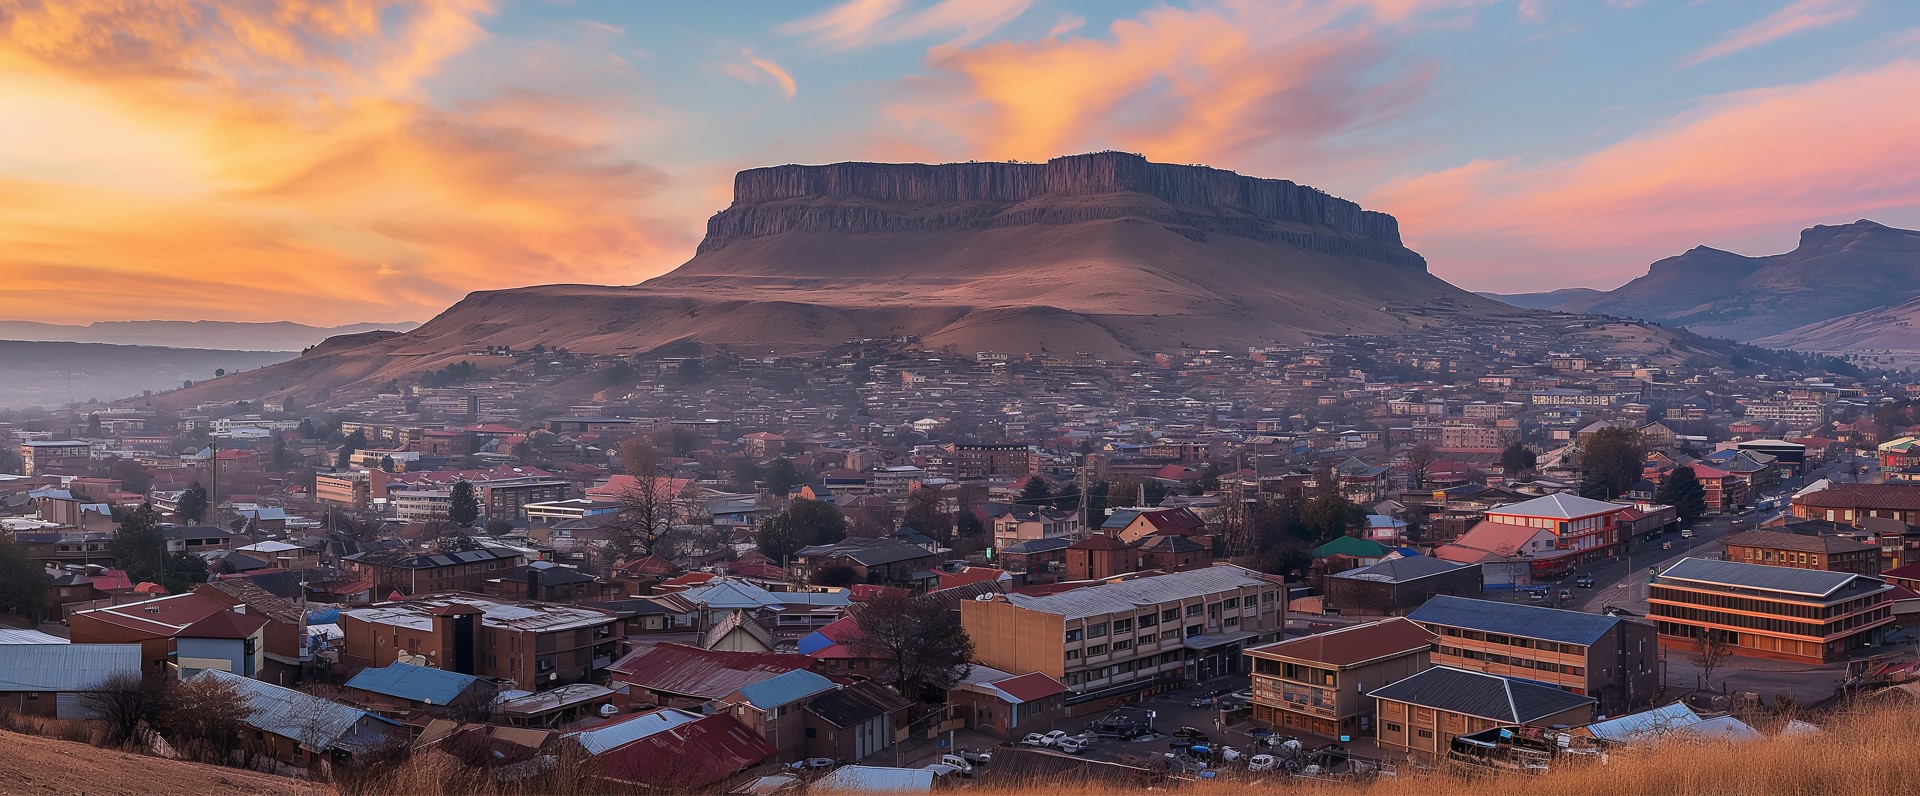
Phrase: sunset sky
(335, 161)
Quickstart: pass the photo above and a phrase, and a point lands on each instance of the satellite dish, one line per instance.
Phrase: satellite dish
(609, 711)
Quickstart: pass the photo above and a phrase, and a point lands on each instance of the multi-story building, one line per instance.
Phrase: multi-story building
(974, 461)
(1422, 714)
(1023, 523)
(1783, 613)
(1614, 660)
(1804, 551)
(348, 489)
(1318, 684)
(1129, 637)
(507, 498)
(1585, 527)
(54, 456)
(419, 505)
(1850, 502)
(425, 573)
(536, 645)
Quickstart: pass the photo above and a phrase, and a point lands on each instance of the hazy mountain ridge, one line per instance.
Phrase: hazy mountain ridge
(49, 374)
(215, 335)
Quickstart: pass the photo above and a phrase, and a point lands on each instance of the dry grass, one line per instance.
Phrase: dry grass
(1868, 753)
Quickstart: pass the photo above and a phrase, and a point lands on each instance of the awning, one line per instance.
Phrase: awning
(1218, 639)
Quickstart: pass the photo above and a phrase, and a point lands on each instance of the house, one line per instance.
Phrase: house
(1007, 705)
(1396, 585)
(1317, 684)
(1805, 551)
(875, 779)
(680, 675)
(284, 638)
(1024, 523)
(884, 561)
(738, 632)
(836, 651)
(1128, 637)
(53, 677)
(1035, 561)
(1421, 714)
(854, 722)
(188, 631)
(1510, 556)
(671, 751)
(303, 730)
(400, 688)
(1852, 502)
(1132, 525)
(774, 709)
(425, 573)
(196, 538)
(1782, 613)
(550, 582)
(1612, 659)
(1587, 528)
(534, 645)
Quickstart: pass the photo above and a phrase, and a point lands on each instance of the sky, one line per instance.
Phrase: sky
(337, 161)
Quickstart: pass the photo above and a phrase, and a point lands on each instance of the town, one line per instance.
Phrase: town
(896, 569)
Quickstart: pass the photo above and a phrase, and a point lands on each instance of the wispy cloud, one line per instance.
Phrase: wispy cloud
(755, 69)
(1796, 17)
(862, 23)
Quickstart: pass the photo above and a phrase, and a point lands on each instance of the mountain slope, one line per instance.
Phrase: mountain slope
(1105, 254)
(219, 335)
(1835, 271)
(1541, 301)
(46, 374)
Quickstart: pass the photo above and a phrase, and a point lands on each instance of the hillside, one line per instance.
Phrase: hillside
(1541, 301)
(218, 335)
(46, 374)
(34, 766)
(1106, 254)
(1834, 272)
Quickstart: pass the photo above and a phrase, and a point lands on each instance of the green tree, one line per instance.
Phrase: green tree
(357, 441)
(498, 526)
(133, 476)
(1682, 490)
(140, 546)
(24, 584)
(806, 522)
(1610, 461)
(1330, 516)
(184, 571)
(1096, 505)
(193, 503)
(970, 526)
(1517, 458)
(1035, 492)
(782, 476)
(464, 506)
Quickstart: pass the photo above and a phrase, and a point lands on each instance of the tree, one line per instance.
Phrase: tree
(140, 546)
(203, 716)
(1418, 460)
(1096, 505)
(184, 571)
(352, 443)
(837, 575)
(638, 457)
(648, 512)
(133, 476)
(386, 464)
(806, 522)
(918, 640)
(127, 702)
(1330, 516)
(1610, 462)
(24, 584)
(782, 477)
(1517, 458)
(1034, 492)
(1715, 647)
(464, 506)
(970, 526)
(193, 503)
(498, 526)
(927, 513)
(1682, 490)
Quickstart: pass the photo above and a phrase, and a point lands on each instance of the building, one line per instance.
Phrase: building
(1128, 637)
(1421, 715)
(46, 676)
(402, 688)
(1318, 684)
(775, 709)
(420, 505)
(1397, 585)
(426, 573)
(881, 560)
(1008, 705)
(678, 675)
(534, 645)
(671, 751)
(303, 730)
(184, 632)
(1614, 660)
(507, 498)
(54, 456)
(1850, 503)
(977, 461)
(1584, 527)
(855, 721)
(1783, 613)
(1025, 523)
(1805, 551)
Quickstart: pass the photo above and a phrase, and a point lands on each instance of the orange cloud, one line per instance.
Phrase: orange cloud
(761, 70)
(1224, 83)
(1802, 15)
(285, 161)
(1751, 163)
(860, 23)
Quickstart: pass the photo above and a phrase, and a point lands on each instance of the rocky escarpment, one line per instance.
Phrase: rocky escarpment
(1190, 200)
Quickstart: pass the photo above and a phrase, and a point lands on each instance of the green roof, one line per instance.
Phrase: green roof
(1351, 546)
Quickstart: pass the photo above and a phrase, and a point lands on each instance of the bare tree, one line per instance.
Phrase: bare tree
(1715, 648)
(127, 703)
(649, 511)
(917, 639)
(202, 718)
(1238, 532)
(1420, 458)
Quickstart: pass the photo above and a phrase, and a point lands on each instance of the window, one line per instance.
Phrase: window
(1392, 727)
(1123, 644)
(1195, 609)
(1144, 640)
(1148, 620)
(1233, 621)
(812, 732)
(1096, 631)
(1097, 649)
(1232, 602)
(1073, 655)
(1073, 635)
(1194, 630)
(1424, 733)
(1169, 615)
(1170, 635)
(1122, 626)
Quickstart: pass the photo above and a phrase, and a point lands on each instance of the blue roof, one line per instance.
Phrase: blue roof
(1120, 518)
(1531, 621)
(414, 683)
(814, 642)
(1645, 726)
(785, 689)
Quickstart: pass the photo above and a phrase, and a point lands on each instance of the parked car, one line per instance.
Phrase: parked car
(1536, 594)
(966, 768)
(1054, 736)
(812, 764)
(1189, 734)
(975, 757)
(1566, 594)
(1686, 533)
(1072, 744)
(1201, 702)
(1584, 582)
(940, 769)
(1036, 739)
(1262, 763)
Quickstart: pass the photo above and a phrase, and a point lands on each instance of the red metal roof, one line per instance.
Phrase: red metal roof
(679, 669)
(1032, 686)
(688, 757)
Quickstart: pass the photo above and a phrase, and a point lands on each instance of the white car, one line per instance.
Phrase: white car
(1036, 739)
(1072, 745)
(965, 768)
(976, 758)
(812, 764)
(1053, 737)
(941, 769)
(1262, 763)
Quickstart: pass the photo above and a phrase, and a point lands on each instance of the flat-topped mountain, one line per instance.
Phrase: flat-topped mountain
(1106, 254)
(1834, 272)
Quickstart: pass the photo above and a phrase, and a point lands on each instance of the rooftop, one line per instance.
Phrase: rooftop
(1352, 646)
(539, 617)
(1131, 595)
(1559, 506)
(1804, 543)
(1402, 570)
(1530, 621)
(1502, 699)
(1815, 583)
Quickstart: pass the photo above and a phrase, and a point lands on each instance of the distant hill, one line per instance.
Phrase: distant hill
(222, 335)
(1542, 301)
(44, 374)
(1834, 272)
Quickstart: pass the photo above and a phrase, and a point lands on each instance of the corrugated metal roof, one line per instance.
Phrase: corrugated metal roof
(1791, 580)
(64, 667)
(317, 724)
(1129, 595)
(1531, 621)
(856, 703)
(1646, 725)
(1502, 699)
(600, 738)
(415, 683)
(876, 779)
(1559, 505)
(1402, 570)
(10, 635)
(785, 689)
(706, 674)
